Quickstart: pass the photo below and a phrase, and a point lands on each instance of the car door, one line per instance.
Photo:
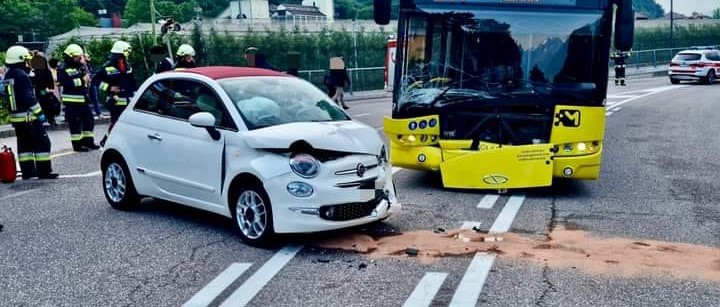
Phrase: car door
(185, 162)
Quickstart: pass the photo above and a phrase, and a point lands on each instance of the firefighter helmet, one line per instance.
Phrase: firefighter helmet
(74, 50)
(17, 54)
(185, 49)
(121, 47)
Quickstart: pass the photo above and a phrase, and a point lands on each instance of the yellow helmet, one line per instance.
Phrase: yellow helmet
(17, 54)
(185, 49)
(74, 50)
(121, 47)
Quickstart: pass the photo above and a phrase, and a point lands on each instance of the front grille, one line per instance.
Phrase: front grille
(350, 211)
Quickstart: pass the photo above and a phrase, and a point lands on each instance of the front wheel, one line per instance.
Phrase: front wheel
(674, 81)
(252, 214)
(710, 79)
(118, 185)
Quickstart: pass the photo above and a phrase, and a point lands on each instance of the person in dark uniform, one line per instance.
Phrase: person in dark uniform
(44, 83)
(27, 117)
(620, 58)
(186, 57)
(75, 96)
(116, 78)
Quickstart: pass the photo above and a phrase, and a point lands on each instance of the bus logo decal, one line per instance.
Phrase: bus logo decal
(568, 118)
(495, 179)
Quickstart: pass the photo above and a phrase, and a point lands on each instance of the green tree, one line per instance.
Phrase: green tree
(716, 13)
(39, 19)
(649, 8)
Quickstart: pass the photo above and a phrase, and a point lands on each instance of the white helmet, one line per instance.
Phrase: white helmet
(17, 54)
(74, 50)
(121, 47)
(185, 49)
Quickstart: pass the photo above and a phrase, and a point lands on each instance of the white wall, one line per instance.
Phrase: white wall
(255, 9)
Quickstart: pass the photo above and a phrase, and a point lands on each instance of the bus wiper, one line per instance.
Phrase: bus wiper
(450, 86)
(553, 87)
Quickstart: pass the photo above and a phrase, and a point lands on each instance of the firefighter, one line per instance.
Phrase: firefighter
(186, 57)
(620, 59)
(75, 96)
(27, 117)
(117, 80)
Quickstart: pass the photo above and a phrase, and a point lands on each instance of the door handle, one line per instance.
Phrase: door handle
(155, 136)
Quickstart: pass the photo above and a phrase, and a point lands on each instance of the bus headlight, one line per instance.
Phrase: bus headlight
(568, 148)
(581, 146)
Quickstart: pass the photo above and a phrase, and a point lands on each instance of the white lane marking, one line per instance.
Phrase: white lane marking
(208, 294)
(426, 289)
(620, 96)
(609, 113)
(93, 174)
(21, 193)
(488, 202)
(243, 295)
(361, 115)
(396, 169)
(507, 215)
(653, 92)
(62, 154)
(379, 129)
(616, 109)
(469, 225)
(471, 285)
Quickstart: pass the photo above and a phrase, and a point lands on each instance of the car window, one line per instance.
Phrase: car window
(687, 57)
(713, 56)
(270, 101)
(181, 99)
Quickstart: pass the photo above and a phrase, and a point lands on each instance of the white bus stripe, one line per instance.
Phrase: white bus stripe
(488, 202)
(243, 295)
(471, 285)
(507, 215)
(208, 294)
(426, 290)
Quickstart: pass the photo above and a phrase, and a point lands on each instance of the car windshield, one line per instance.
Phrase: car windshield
(687, 57)
(271, 101)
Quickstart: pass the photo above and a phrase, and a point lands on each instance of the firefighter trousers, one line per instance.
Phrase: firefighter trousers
(33, 146)
(620, 75)
(116, 107)
(80, 119)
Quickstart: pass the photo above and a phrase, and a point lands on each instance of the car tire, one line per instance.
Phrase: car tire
(710, 79)
(118, 185)
(674, 81)
(252, 214)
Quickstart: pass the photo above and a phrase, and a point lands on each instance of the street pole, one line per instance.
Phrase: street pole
(152, 21)
(671, 25)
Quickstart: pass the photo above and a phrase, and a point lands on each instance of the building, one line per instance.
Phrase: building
(247, 9)
(675, 15)
(296, 12)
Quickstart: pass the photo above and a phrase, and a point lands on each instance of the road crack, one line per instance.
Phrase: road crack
(549, 286)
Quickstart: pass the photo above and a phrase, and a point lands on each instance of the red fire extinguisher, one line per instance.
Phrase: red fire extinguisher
(8, 170)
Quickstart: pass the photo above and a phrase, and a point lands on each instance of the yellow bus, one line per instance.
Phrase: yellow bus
(503, 94)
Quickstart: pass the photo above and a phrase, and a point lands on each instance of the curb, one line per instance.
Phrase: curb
(7, 131)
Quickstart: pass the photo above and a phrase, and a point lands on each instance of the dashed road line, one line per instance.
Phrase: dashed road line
(488, 201)
(362, 115)
(243, 295)
(21, 193)
(425, 290)
(471, 285)
(507, 215)
(93, 174)
(207, 295)
(62, 154)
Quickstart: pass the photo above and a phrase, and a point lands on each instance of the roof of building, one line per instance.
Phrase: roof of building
(299, 10)
(224, 72)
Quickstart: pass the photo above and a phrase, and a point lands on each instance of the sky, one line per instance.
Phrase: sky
(686, 7)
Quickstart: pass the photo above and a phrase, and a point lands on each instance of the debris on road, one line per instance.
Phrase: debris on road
(362, 266)
(566, 249)
(439, 230)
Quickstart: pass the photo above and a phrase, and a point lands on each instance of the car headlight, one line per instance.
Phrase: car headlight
(305, 165)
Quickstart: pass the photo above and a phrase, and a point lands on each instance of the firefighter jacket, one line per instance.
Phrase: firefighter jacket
(116, 72)
(24, 106)
(71, 77)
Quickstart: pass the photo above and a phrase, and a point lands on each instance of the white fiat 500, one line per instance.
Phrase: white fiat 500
(269, 150)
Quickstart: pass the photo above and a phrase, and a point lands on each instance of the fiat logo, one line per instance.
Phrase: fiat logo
(361, 169)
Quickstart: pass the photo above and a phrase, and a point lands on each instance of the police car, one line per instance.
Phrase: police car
(696, 64)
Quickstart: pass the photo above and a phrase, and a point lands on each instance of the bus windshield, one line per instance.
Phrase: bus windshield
(490, 57)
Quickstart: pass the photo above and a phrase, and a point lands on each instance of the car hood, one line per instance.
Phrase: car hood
(345, 136)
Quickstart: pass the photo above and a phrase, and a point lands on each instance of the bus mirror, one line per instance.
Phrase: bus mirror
(624, 25)
(381, 11)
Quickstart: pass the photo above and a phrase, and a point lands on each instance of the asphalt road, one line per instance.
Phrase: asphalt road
(62, 245)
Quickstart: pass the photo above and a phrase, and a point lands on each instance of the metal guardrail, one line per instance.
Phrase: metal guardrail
(654, 57)
(361, 78)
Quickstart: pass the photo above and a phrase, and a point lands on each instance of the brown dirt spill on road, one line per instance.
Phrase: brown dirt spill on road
(566, 248)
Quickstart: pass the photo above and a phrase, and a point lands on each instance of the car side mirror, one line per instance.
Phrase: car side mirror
(207, 121)
(624, 25)
(381, 11)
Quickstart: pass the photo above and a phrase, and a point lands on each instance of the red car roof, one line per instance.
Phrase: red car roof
(222, 72)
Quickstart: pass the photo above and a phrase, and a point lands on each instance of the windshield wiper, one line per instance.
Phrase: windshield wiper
(553, 88)
(450, 86)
